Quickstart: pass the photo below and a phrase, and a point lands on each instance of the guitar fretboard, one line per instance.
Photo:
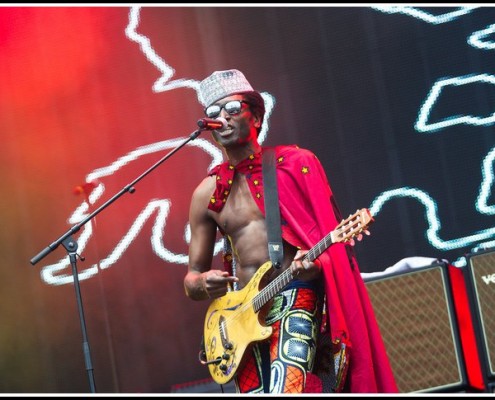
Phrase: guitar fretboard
(346, 230)
(275, 286)
(270, 290)
(319, 248)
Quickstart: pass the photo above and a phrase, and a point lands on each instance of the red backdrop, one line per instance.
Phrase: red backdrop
(102, 93)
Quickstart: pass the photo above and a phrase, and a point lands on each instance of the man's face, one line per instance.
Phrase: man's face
(241, 122)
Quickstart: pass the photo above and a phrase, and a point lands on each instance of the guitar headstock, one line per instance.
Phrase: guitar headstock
(353, 226)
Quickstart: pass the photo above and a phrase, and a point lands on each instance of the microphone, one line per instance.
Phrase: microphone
(85, 188)
(209, 124)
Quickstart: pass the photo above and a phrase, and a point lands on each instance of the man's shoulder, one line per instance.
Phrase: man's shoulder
(205, 187)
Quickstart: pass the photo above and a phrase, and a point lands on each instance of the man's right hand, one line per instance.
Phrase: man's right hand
(216, 282)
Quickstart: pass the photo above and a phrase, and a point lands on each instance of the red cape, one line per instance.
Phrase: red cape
(308, 213)
(308, 206)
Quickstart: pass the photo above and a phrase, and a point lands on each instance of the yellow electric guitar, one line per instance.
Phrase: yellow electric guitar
(236, 320)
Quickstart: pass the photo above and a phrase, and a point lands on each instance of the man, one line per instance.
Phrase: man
(326, 299)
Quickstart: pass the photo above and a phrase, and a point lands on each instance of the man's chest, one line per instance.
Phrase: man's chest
(240, 209)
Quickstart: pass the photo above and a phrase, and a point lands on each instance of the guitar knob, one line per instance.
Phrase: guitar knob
(228, 346)
(223, 367)
(225, 356)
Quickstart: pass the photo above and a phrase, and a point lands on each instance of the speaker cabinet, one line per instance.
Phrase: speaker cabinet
(417, 319)
(481, 284)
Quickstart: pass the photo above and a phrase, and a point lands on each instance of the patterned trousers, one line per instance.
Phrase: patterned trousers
(280, 364)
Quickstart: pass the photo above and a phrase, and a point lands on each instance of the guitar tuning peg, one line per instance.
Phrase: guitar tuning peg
(352, 242)
(367, 232)
(359, 237)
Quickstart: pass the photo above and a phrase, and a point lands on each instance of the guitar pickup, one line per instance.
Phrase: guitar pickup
(224, 334)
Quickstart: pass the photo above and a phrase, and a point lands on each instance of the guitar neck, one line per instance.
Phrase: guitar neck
(275, 286)
(270, 290)
(319, 248)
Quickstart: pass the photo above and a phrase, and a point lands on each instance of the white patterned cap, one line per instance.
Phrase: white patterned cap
(221, 84)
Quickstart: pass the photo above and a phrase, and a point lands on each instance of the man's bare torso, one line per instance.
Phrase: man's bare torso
(244, 223)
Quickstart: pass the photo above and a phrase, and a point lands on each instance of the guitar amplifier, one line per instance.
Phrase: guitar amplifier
(481, 285)
(417, 319)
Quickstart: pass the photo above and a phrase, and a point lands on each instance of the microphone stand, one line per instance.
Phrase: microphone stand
(70, 246)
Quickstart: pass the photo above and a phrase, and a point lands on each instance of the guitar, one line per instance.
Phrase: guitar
(236, 320)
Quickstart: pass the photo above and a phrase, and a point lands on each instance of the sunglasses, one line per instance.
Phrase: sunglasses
(232, 107)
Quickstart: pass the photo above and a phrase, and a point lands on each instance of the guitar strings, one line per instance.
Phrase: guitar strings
(260, 298)
(265, 294)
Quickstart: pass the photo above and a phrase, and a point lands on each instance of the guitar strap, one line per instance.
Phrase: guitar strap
(275, 246)
(272, 212)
